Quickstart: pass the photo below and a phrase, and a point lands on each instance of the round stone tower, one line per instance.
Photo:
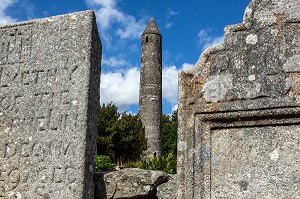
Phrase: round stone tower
(150, 105)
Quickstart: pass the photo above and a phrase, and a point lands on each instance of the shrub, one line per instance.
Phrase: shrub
(166, 163)
(104, 163)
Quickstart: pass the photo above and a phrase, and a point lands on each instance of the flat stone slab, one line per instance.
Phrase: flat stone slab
(49, 96)
(238, 110)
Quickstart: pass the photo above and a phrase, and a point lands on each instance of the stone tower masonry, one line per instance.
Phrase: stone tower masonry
(150, 105)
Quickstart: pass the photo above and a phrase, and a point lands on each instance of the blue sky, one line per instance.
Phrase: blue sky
(187, 27)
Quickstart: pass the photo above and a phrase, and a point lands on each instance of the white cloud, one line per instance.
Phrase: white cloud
(4, 19)
(174, 108)
(131, 28)
(170, 84)
(120, 88)
(187, 66)
(28, 8)
(114, 62)
(170, 13)
(205, 40)
(216, 40)
(123, 88)
(108, 14)
(105, 3)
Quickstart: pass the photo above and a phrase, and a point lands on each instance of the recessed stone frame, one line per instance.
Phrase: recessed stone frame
(196, 174)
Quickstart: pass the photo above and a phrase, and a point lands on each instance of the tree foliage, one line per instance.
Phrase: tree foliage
(104, 163)
(108, 116)
(129, 139)
(121, 136)
(169, 133)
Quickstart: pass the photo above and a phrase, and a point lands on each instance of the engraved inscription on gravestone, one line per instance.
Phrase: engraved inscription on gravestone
(49, 94)
(15, 46)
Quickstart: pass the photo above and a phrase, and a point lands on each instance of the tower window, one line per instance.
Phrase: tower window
(146, 39)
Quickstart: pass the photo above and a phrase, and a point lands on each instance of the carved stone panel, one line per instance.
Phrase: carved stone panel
(255, 162)
(238, 110)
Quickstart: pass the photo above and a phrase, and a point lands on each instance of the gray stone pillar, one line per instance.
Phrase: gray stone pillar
(49, 97)
(150, 105)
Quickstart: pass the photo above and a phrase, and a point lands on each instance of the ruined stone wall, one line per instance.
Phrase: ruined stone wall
(239, 110)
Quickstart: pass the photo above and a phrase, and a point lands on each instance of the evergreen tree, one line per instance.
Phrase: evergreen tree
(129, 139)
(108, 116)
(169, 133)
(121, 136)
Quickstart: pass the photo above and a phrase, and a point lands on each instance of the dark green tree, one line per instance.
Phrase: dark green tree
(121, 136)
(129, 140)
(169, 133)
(108, 116)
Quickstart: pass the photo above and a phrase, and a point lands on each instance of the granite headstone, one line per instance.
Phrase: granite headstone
(49, 97)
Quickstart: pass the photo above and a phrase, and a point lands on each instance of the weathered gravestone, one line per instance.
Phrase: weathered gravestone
(49, 96)
(239, 110)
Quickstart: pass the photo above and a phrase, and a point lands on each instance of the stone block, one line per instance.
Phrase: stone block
(129, 183)
(49, 97)
(239, 110)
(168, 190)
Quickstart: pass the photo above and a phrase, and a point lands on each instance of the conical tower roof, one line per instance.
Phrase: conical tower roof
(151, 28)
